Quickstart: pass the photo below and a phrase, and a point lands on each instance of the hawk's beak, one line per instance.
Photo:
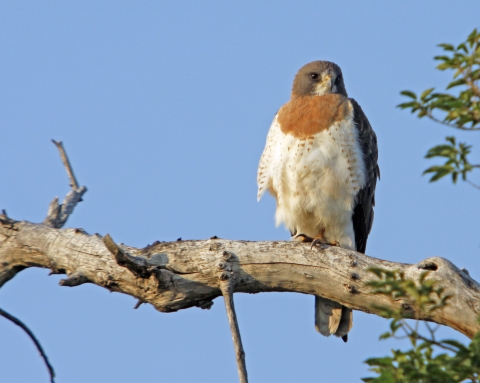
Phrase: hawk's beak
(328, 81)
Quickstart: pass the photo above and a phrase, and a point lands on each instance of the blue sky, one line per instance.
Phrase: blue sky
(164, 108)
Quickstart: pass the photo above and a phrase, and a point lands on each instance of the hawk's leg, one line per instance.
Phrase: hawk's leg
(318, 240)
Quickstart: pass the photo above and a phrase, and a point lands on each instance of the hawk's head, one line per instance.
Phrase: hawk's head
(318, 78)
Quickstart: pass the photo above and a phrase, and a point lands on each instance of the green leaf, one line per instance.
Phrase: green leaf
(425, 93)
(460, 81)
(385, 335)
(443, 58)
(443, 66)
(463, 47)
(451, 139)
(422, 113)
(440, 172)
(475, 74)
(440, 151)
(447, 47)
(409, 93)
(472, 37)
(407, 104)
(385, 361)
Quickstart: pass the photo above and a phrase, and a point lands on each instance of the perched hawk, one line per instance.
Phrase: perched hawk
(320, 163)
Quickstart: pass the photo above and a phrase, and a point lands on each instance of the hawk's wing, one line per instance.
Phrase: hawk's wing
(270, 156)
(365, 199)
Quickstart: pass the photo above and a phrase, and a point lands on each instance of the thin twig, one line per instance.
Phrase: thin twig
(474, 185)
(227, 286)
(432, 117)
(32, 337)
(430, 330)
(66, 163)
(432, 341)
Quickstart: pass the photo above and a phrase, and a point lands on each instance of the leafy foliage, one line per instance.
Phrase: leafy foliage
(460, 111)
(429, 360)
(456, 164)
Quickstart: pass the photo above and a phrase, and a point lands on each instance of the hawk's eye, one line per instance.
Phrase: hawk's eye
(313, 76)
(337, 80)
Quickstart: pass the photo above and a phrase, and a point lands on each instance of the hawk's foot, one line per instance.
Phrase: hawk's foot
(320, 241)
(315, 241)
(303, 238)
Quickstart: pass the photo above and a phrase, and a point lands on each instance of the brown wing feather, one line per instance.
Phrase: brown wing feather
(365, 199)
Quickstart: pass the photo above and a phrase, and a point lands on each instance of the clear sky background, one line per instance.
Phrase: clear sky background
(164, 108)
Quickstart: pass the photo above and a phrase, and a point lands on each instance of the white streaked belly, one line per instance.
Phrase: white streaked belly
(316, 181)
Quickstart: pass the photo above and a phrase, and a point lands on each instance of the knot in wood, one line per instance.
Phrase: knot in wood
(308, 275)
(352, 289)
(428, 266)
(354, 276)
(204, 305)
(227, 255)
(224, 276)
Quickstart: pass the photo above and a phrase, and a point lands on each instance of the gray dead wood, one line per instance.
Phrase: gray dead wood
(58, 214)
(177, 275)
(227, 275)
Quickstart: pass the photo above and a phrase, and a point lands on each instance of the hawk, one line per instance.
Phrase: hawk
(320, 164)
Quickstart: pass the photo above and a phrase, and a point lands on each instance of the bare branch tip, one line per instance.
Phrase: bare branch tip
(20, 324)
(66, 164)
(74, 280)
(110, 244)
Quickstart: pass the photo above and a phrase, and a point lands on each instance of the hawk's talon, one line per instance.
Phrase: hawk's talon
(320, 241)
(304, 238)
(317, 241)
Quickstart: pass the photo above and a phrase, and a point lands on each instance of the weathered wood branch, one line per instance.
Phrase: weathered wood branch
(182, 274)
(58, 213)
(228, 279)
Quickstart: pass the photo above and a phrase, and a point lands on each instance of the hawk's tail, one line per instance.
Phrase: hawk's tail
(332, 318)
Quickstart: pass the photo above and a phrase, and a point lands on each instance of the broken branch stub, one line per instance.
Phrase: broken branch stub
(57, 214)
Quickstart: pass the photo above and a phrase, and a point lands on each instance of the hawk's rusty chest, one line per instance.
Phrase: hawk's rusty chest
(304, 116)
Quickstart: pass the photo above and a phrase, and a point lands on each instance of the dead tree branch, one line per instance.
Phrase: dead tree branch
(19, 323)
(58, 214)
(228, 277)
(177, 275)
